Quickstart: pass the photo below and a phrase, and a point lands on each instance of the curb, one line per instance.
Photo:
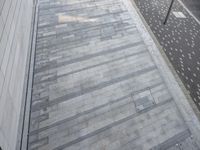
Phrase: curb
(183, 100)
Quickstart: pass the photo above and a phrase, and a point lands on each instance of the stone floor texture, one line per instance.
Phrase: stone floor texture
(96, 85)
(179, 38)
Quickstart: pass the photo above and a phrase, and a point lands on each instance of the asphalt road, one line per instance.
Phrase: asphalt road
(193, 6)
(179, 38)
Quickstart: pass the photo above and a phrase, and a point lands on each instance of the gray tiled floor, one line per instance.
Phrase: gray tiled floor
(96, 85)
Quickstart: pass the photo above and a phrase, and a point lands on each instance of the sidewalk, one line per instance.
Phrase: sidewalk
(179, 38)
(100, 83)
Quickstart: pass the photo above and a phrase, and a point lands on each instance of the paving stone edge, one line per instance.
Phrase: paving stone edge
(186, 106)
(25, 115)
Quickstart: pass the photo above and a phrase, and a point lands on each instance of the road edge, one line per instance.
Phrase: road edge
(29, 81)
(183, 100)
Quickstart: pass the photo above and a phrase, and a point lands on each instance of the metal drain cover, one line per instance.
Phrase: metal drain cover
(143, 100)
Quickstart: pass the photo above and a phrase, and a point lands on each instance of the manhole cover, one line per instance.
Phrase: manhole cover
(143, 100)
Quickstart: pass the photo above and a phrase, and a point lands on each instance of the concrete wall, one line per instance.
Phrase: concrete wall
(15, 25)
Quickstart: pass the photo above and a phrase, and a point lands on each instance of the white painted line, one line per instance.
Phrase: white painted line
(179, 14)
(191, 14)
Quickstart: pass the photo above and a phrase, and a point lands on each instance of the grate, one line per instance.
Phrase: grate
(143, 100)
